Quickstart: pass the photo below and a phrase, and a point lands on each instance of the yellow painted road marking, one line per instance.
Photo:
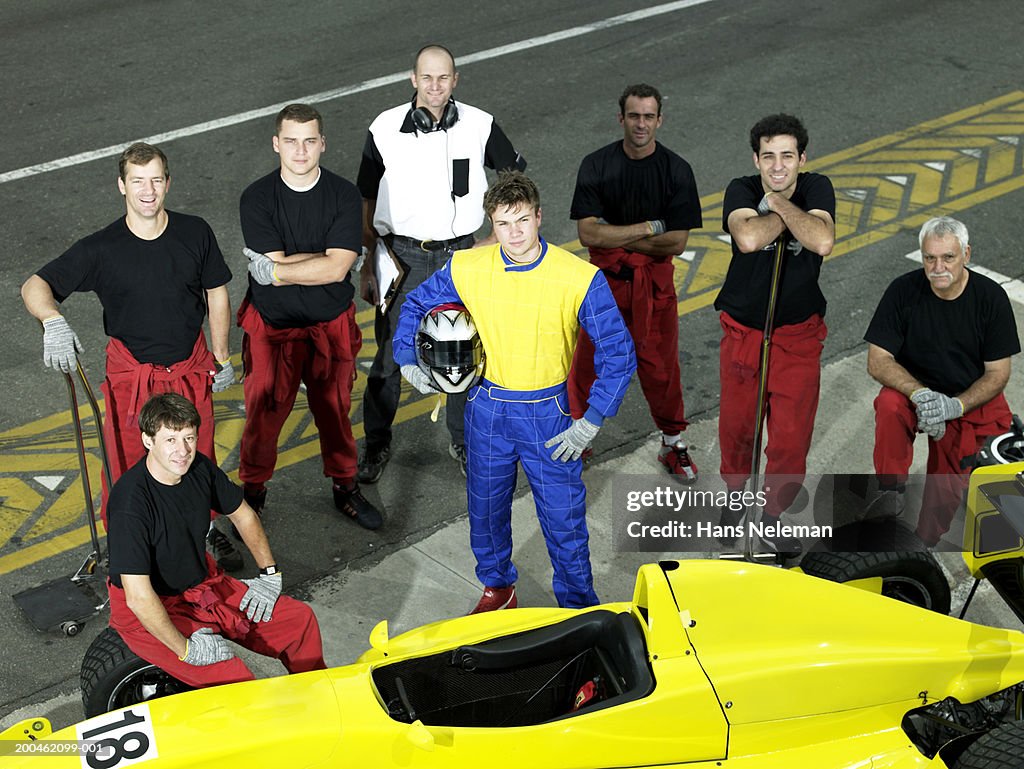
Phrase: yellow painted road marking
(883, 186)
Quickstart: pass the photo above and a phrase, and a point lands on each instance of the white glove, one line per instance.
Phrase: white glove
(60, 344)
(572, 442)
(414, 375)
(206, 648)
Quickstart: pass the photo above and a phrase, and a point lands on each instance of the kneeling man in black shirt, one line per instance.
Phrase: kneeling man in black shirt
(169, 600)
(940, 344)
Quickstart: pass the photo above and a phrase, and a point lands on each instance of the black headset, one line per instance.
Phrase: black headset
(424, 120)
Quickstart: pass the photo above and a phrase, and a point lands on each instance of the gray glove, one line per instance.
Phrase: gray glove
(261, 267)
(60, 344)
(939, 410)
(572, 442)
(206, 648)
(225, 376)
(935, 431)
(921, 396)
(414, 375)
(261, 596)
(657, 226)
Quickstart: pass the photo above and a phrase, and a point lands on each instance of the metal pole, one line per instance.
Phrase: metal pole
(88, 567)
(762, 384)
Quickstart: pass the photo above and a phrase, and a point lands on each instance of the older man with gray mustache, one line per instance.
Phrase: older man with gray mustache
(939, 344)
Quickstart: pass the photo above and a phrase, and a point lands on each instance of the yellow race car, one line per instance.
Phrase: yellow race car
(722, 664)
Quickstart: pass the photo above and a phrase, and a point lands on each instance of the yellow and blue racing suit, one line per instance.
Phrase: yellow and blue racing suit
(528, 316)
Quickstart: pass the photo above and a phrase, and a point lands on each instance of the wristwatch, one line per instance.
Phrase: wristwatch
(268, 571)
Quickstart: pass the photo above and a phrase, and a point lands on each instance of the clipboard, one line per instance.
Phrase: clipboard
(389, 272)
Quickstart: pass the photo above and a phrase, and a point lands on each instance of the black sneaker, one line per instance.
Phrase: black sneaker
(458, 453)
(256, 496)
(372, 463)
(888, 504)
(351, 502)
(730, 524)
(223, 550)
(776, 541)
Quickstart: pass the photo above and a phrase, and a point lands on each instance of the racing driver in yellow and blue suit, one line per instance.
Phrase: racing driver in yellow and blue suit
(528, 300)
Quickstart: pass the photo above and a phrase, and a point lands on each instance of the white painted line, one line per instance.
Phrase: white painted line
(1013, 287)
(337, 93)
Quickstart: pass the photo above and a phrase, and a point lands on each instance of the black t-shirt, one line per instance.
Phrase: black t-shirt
(152, 291)
(744, 295)
(277, 218)
(944, 344)
(160, 530)
(622, 191)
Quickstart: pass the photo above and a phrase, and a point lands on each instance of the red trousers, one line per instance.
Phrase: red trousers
(895, 431)
(276, 360)
(292, 636)
(794, 376)
(649, 307)
(126, 389)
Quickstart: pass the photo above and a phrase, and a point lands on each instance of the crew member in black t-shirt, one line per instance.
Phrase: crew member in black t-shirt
(777, 202)
(939, 344)
(635, 204)
(168, 600)
(157, 274)
(303, 230)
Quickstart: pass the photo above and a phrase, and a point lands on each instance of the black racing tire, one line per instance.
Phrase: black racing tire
(872, 536)
(912, 577)
(113, 676)
(1000, 748)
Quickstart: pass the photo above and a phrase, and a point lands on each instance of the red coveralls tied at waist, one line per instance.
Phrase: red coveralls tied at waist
(645, 293)
(651, 278)
(127, 387)
(331, 341)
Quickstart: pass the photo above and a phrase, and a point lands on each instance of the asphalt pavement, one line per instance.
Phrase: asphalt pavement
(82, 78)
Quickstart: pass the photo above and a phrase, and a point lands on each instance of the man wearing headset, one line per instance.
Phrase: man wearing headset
(422, 180)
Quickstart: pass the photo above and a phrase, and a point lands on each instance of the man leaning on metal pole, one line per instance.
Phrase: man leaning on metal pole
(778, 202)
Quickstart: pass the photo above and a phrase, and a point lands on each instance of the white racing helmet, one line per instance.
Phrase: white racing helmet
(448, 348)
